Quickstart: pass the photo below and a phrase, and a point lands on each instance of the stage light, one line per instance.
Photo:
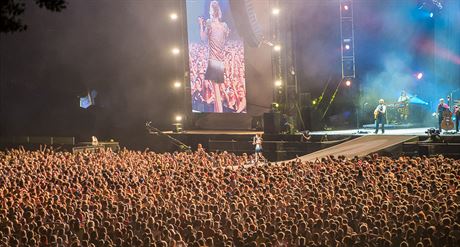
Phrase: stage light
(275, 11)
(345, 7)
(433, 135)
(178, 118)
(347, 47)
(177, 84)
(419, 75)
(173, 16)
(430, 7)
(277, 48)
(175, 51)
(348, 83)
(275, 107)
(278, 83)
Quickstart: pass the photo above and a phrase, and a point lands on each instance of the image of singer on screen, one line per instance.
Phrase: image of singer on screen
(216, 62)
(215, 32)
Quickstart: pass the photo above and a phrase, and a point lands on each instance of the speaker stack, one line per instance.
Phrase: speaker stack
(272, 122)
(246, 22)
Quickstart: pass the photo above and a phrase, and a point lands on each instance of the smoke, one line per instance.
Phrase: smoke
(393, 77)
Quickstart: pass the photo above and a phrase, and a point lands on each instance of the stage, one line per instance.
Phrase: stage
(370, 131)
(421, 132)
(410, 141)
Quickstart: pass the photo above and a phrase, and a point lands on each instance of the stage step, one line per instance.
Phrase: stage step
(360, 147)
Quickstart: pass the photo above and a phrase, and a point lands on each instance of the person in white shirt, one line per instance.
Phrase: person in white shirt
(379, 115)
(257, 142)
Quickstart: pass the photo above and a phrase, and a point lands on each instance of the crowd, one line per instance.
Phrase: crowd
(233, 89)
(132, 198)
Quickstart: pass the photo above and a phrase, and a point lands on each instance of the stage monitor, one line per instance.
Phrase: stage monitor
(216, 58)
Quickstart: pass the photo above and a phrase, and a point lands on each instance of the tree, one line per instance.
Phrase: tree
(11, 12)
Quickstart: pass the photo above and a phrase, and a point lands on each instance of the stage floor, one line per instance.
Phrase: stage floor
(349, 132)
(362, 132)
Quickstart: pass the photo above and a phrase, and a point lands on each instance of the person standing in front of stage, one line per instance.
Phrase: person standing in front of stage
(257, 141)
(200, 150)
(442, 107)
(379, 115)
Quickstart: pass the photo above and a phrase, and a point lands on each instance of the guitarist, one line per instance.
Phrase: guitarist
(379, 115)
(442, 107)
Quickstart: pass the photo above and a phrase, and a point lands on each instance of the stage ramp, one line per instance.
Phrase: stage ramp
(360, 146)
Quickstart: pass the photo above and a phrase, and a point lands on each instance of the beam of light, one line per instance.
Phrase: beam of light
(413, 99)
(430, 47)
(448, 55)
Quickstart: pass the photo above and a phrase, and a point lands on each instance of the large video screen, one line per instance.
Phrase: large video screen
(216, 57)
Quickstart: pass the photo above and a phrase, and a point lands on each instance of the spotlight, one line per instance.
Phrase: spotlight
(437, 3)
(348, 82)
(345, 7)
(419, 75)
(278, 83)
(346, 44)
(430, 7)
(275, 11)
(178, 118)
(175, 51)
(277, 48)
(275, 107)
(177, 84)
(173, 16)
